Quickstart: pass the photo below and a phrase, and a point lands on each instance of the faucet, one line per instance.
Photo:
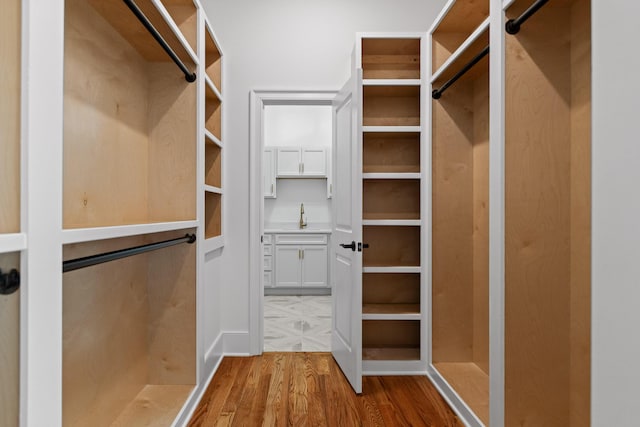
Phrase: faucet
(302, 222)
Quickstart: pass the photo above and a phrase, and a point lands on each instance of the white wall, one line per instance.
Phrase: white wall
(297, 125)
(292, 192)
(277, 45)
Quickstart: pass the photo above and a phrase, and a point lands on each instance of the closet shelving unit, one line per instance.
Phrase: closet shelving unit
(12, 241)
(213, 142)
(392, 279)
(540, 329)
(129, 179)
(459, 205)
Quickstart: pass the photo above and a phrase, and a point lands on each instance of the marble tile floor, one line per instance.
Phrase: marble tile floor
(297, 323)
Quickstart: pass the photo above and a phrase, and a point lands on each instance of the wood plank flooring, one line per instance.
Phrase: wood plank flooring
(308, 389)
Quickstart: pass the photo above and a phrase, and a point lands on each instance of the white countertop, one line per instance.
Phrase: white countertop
(290, 228)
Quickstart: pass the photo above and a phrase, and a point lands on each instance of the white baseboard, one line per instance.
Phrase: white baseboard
(461, 409)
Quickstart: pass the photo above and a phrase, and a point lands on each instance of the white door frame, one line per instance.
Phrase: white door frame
(258, 100)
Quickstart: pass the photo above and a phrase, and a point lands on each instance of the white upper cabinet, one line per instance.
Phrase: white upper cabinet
(296, 162)
(269, 173)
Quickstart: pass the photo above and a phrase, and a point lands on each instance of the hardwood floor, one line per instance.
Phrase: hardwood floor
(300, 389)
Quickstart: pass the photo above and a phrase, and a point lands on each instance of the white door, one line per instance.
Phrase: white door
(288, 260)
(289, 163)
(314, 266)
(314, 162)
(346, 337)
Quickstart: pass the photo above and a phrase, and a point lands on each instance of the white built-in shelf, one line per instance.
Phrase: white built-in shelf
(506, 4)
(13, 242)
(176, 31)
(78, 235)
(391, 176)
(212, 189)
(390, 311)
(392, 222)
(213, 244)
(391, 129)
(391, 82)
(391, 269)
(477, 33)
(213, 87)
(212, 138)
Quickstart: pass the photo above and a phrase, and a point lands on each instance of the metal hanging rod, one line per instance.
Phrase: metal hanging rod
(437, 93)
(88, 261)
(188, 75)
(513, 25)
(9, 282)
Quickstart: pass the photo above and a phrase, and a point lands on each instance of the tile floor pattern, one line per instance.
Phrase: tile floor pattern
(297, 323)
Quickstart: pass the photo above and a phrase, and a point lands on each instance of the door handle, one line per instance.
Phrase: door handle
(362, 246)
(351, 246)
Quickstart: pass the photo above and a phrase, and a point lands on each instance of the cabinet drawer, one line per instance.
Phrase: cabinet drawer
(267, 240)
(301, 239)
(268, 249)
(268, 279)
(267, 263)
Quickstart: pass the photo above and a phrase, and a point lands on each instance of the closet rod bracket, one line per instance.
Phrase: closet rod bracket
(9, 282)
(513, 25)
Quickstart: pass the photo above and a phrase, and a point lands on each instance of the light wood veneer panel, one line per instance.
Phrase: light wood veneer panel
(10, 348)
(471, 383)
(391, 246)
(212, 215)
(391, 199)
(10, 78)
(547, 271)
(390, 58)
(213, 61)
(391, 106)
(391, 152)
(213, 165)
(390, 288)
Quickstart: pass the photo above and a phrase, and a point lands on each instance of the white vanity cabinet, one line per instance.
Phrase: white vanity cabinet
(300, 260)
(297, 162)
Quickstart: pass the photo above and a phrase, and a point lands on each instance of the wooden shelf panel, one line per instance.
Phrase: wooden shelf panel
(212, 59)
(391, 199)
(155, 405)
(458, 24)
(126, 324)
(13, 242)
(391, 153)
(185, 14)
(391, 58)
(129, 142)
(120, 17)
(391, 269)
(212, 215)
(10, 347)
(470, 383)
(391, 106)
(392, 222)
(387, 353)
(10, 88)
(391, 311)
(391, 334)
(212, 139)
(213, 165)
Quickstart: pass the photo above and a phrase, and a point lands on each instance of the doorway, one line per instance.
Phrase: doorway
(291, 218)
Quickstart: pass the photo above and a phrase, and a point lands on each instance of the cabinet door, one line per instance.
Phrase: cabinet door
(269, 173)
(314, 162)
(288, 266)
(314, 266)
(288, 163)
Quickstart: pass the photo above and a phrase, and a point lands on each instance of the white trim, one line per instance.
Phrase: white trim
(176, 30)
(391, 176)
(496, 216)
(212, 189)
(466, 415)
(445, 10)
(393, 367)
(378, 316)
(484, 26)
(212, 138)
(391, 82)
(391, 129)
(391, 269)
(211, 86)
(236, 343)
(79, 235)
(393, 222)
(212, 244)
(506, 4)
(12, 242)
(258, 100)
